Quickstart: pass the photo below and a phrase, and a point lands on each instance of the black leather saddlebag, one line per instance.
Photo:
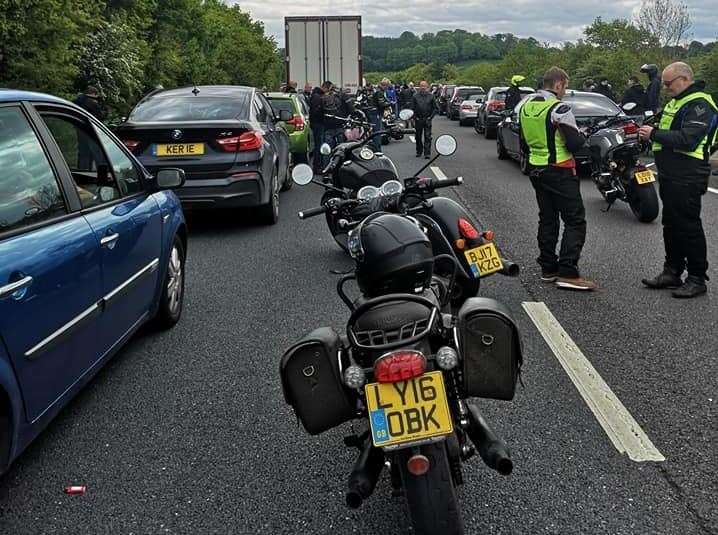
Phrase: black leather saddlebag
(312, 381)
(490, 346)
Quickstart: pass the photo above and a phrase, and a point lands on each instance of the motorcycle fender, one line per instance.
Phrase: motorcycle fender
(447, 212)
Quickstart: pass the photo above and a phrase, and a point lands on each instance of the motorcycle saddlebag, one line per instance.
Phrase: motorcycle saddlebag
(490, 345)
(312, 381)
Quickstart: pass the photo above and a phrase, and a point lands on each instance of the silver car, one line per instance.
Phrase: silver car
(469, 108)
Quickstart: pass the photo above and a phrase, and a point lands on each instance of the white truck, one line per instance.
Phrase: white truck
(318, 49)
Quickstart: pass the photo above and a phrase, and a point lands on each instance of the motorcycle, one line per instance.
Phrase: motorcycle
(616, 167)
(406, 370)
(450, 228)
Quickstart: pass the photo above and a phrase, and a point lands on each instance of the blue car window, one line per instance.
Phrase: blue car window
(126, 174)
(94, 180)
(29, 191)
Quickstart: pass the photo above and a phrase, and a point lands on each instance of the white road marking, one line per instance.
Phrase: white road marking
(713, 190)
(625, 433)
(438, 173)
(413, 139)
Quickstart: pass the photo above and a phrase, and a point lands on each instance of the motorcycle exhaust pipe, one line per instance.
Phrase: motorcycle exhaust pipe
(365, 475)
(492, 449)
(510, 269)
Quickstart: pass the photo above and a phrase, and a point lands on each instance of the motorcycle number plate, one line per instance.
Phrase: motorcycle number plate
(484, 260)
(645, 177)
(408, 411)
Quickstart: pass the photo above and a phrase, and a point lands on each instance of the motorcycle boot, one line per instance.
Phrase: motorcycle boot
(669, 278)
(692, 287)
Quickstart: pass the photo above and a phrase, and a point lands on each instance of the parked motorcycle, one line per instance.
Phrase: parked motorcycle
(617, 169)
(404, 373)
(450, 228)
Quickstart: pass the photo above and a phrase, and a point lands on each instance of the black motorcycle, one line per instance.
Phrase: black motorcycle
(616, 167)
(404, 372)
(450, 228)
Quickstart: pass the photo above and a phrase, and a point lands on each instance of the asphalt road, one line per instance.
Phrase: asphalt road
(187, 432)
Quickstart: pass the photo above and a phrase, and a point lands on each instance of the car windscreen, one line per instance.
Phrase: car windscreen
(591, 105)
(282, 104)
(476, 96)
(191, 108)
(463, 93)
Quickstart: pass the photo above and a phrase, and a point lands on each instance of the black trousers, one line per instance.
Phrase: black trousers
(558, 194)
(683, 233)
(423, 136)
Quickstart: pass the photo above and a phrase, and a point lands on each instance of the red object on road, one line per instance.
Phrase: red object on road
(75, 490)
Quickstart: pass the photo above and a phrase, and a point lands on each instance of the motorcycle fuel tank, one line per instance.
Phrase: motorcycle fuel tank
(359, 172)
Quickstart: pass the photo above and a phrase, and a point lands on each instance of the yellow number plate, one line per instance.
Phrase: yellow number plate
(409, 410)
(645, 177)
(484, 260)
(179, 150)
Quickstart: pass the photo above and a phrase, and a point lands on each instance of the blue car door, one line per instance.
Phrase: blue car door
(123, 214)
(50, 279)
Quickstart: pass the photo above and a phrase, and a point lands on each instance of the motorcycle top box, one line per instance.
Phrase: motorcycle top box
(311, 380)
(490, 343)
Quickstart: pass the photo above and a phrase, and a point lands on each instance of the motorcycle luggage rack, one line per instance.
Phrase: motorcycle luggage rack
(374, 338)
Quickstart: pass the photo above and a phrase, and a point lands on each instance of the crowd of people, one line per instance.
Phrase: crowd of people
(647, 98)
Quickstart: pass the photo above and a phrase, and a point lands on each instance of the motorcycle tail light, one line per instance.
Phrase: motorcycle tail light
(630, 129)
(467, 230)
(399, 366)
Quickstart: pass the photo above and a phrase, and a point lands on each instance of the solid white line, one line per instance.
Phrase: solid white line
(713, 190)
(625, 433)
(413, 139)
(438, 173)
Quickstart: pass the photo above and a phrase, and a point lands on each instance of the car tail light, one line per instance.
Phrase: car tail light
(467, 230)
(243, 142)
(418, 464)
(495, 105)
(630, 128)
(297, 122)
(468, 107)
(132, 144)
(399, 366)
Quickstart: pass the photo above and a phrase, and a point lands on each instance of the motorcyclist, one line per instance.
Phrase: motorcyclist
(604, 88)
(425, 108)
(513, 94)
(376, 105)
(634, 93)
(653, 90)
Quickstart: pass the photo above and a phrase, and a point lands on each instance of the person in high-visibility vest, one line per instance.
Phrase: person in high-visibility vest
(682, 143)
(550, 136)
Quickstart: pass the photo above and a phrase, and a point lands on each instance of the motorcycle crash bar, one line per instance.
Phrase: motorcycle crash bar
(492, 449)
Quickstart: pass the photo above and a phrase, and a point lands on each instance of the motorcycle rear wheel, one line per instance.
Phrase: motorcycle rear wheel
(431, 498)
(643, 201)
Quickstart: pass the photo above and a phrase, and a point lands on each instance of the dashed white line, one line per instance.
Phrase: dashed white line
(413, 139)
(713, 190)
(438, 173)
(625, 433)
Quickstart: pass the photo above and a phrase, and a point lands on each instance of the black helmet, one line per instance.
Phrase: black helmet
(393, 255)
(650, 68)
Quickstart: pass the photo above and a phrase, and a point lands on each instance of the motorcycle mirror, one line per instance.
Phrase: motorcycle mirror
(647, 114)
(325, 149)
(628, 106)
(302, 174)
(405, 115)
(446, 145)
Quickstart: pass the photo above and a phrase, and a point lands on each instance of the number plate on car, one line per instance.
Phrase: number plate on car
(179, 150)
(645, 177)
(408, 411)
(484, 260)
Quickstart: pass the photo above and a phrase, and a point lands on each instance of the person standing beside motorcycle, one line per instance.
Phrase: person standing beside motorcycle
(377, 103)
(682, 145)
(425, 109)
(636, 94)
(653, 90)
(333, 106)
(550, 135)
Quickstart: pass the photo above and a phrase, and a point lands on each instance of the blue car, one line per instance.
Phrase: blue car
(91, 247)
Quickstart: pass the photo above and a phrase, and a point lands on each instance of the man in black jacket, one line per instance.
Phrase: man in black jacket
(653, 90)
(636, 94)
(316, 120)
(681, 144)
(425, 108)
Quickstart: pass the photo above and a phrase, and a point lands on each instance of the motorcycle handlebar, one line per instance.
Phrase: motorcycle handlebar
(312, 212)
(446, 183)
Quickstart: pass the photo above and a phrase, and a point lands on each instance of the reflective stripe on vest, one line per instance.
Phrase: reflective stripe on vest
(669, 116)
(546, 145)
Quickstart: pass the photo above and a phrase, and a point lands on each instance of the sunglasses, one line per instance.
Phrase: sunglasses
(669, 83)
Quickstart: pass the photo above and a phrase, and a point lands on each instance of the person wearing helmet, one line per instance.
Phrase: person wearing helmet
(653, 91)
(513, 94)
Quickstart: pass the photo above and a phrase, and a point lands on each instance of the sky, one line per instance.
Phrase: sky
(548, 21)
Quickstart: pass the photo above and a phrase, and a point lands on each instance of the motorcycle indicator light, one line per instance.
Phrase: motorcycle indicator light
(399, 365)
(354, 376)
(489, 235)
(460, 244)
(447, 358)
(418, 464)
(467, 230)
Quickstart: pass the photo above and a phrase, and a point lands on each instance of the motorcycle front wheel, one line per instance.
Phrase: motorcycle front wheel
(431, 498)
(643, 201)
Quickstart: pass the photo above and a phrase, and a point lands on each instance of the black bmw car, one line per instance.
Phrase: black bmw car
(588, 108)
(225, 138)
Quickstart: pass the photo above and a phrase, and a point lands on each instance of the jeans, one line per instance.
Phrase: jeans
(558, 194)
(375, 120)
(683, 235)
(318, 135)
(423, 137)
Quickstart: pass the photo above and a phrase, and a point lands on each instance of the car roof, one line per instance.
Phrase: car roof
(14, 95)
(280, 95)
(204, 90)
